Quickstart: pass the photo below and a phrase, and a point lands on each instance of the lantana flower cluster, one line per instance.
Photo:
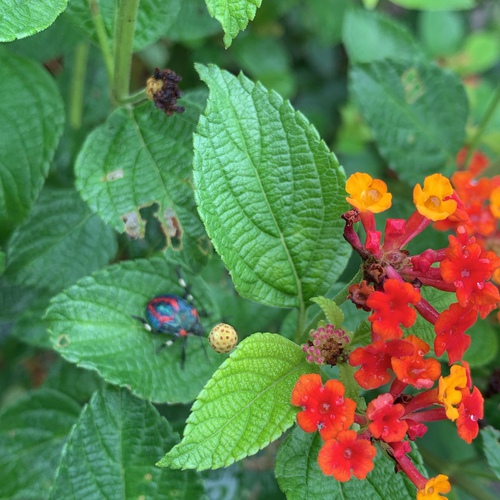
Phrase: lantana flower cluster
(391, 292)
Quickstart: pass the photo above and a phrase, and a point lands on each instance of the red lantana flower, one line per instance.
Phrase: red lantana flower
(450, 331)
(375, 360)
(469, 267)
(390, 309)
(347, 455)
(471, 409)
(385, 417)
(415, 370)
(324, 407)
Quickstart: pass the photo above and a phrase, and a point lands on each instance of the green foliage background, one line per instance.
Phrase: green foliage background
(103, 198)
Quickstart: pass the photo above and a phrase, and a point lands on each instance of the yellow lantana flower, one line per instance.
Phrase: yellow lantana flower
(434, 487)
(449, 390)
(368, 194)
(430, 201)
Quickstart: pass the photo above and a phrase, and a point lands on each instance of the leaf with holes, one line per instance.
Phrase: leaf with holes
(92, 324)
(244, 406)
(269, 192)
(141, 157)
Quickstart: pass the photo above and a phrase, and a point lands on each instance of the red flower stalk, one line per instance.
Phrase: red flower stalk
(324, 408)
(347, 455)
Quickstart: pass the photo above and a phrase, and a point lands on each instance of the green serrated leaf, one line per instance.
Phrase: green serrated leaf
(154, 18)
(346, 376)
(417, 112)
(42, 251)
(363, 334)
(22, 19)
(141, 157)
(300, 477)
(92, 325)
(484, 344)
(28, 140)
(491, 447)
(383, 37)
(112, 450)
(331, 310)
(436, 4)
(269, 192)
(244, 406)
(233, 15)
(32, 434)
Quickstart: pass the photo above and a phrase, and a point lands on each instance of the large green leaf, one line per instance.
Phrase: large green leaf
(491, 443)
(436, 4)
(233, 15)
(112, 450)
(42, 251)
(141, 157)
(92, 325)
(417, 112)
(21, 19)
(269, 192)
(371, 36)
(28, 138)
(154, 18)
(32, 434)
(300, 477)
(244, 406)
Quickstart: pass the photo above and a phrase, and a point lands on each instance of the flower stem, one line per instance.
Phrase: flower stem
(75, 105)
(102, 37)
(126, 14)
(482, 125)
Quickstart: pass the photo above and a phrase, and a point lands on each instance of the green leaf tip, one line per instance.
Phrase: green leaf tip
(269, 191)
(331, 310)
(244, 406)
(233, 15)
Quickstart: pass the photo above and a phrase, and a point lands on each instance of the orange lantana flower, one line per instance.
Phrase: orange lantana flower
(368, 194)
(433, 201)
(434, 487)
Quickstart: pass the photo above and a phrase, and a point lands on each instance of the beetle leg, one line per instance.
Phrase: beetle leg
(183, 352)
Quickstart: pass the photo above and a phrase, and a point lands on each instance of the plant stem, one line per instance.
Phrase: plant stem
(482, 126)
(339, 299)
(126, 14)
(75, 106)
(134, 98)
(102, 37)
